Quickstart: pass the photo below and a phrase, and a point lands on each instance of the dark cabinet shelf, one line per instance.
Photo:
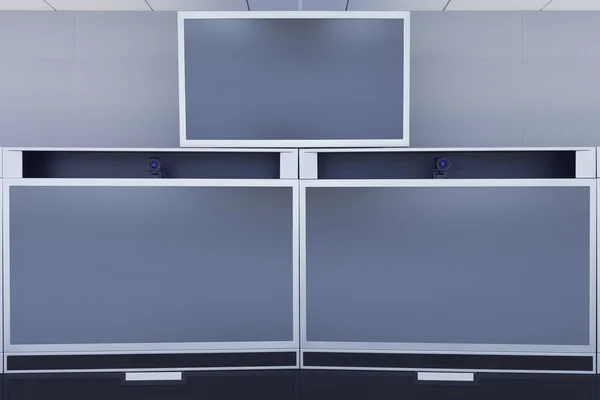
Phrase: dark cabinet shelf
(267, 385)
(320, 385)
(299, 385)
(133, 164)
(464, 165)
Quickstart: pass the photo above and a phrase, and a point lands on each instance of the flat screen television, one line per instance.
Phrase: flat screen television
(449, 265)
(150, 265)
(294, 79)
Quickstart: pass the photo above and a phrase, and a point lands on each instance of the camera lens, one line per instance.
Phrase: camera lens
(442, 163)
(154, 165)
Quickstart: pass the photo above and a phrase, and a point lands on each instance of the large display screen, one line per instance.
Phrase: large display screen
(294, 79)
(449, 265)
(109, 265)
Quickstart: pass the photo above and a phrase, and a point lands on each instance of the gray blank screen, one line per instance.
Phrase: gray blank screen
(471, 265)
(150, 264)
(294, 78)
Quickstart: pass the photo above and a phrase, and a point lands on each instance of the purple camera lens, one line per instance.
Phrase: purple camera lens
(443, 163)
(153, 164)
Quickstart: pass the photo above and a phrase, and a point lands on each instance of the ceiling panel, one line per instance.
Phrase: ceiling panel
(324, 5)
(573, 5)
(27, 5)
(100, 5)
(273, 5)
(397, 5)
(198, 5)
(496, 5)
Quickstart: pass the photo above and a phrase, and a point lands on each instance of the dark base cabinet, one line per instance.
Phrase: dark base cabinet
(330, 385)
(263, 385)
(298, 385)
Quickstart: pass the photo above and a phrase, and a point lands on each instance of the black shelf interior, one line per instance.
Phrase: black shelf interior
(226, 385)
(463, 165)
(299, 385)
(145, 361)
(419, 361)
(326, 385)
(122, 164)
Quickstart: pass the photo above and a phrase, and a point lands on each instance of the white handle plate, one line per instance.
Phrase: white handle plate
(152, 376)
(446, 376)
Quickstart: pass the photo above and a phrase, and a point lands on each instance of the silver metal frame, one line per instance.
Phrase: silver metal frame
(185, 142)
(597, 162)
(449, 347)
(2, 314)
(597, 363)
(11, 349)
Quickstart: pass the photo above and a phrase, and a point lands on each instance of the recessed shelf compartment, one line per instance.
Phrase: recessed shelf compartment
(264, 385)
(431, 361)
(24, 363)
(350, 385)
(517, 163)
(133, 163)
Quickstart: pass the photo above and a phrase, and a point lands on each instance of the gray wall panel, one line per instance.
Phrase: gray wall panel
(561, 87)
(125, 35)
(466, 79)
(36, 34)
(36, 79)
(126, 86)
(150, 264)
(471, 265)
(478, 79)
(36, 102)
(120, 103)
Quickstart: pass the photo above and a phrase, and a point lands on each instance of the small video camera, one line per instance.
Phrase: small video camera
(155, 167)
(442, 165)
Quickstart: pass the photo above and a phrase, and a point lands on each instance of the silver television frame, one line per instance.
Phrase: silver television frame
(136, 348)
(451, 348)
(597, 364)
(2, 314)
(189, 15)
